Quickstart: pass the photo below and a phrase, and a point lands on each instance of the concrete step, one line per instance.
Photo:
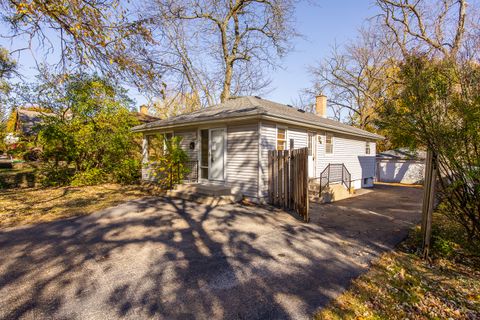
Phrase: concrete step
(210, 194)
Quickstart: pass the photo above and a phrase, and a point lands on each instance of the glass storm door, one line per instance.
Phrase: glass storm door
(217, 154)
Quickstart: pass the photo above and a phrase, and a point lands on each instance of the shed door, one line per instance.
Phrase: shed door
(217, 154)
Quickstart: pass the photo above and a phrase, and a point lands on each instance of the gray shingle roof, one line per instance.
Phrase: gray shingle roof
(30, 120)
(255, 107)
(403, 154)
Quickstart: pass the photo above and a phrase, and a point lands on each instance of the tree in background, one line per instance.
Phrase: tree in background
(7, 68)
(175, 104)
(357, 78)
(102, 34)
(435, 28)
(437, 107)
(220, 48)
(89, 140)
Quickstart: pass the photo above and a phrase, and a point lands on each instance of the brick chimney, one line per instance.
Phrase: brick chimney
(143, 109)
(321, 105)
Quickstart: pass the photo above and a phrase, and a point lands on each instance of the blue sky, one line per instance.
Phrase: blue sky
(323, 24)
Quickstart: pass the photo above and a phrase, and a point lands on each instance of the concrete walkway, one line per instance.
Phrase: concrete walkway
(170, 259)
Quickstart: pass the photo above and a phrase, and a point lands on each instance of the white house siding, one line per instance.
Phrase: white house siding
(299, 136)
(351, 152)
(268, 141)
(242, 159)
(187, 138)
(400, 171)
(347, 150)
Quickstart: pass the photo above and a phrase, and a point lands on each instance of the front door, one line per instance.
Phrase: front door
(217, 155)
(312, 154)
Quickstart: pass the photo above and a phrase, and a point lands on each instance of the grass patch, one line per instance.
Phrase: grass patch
(35, 205)
(400, 285)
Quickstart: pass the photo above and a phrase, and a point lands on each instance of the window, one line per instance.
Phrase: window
(156, 145)
(329, 143)
(310, 143)
(204, 154)
(281, 139)
(367, 147)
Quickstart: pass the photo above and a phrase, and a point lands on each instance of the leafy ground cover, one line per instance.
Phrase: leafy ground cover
(35, 205)
(400, 285)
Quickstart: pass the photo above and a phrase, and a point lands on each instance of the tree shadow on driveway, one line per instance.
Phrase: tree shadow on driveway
(163, 258)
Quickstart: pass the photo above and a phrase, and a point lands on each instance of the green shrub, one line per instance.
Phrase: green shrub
(169, 169)
(89, 177)
(94, 135)
(52, 175)
(127, 171)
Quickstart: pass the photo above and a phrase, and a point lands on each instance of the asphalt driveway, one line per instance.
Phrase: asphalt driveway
(172, 259)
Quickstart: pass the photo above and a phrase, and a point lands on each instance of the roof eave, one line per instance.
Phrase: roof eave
(323, 127)
(144, 128)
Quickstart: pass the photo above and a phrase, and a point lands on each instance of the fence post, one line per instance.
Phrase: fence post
(270, 177)
(307, 198)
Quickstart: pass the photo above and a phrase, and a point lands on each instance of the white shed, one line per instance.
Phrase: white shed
(401, 166)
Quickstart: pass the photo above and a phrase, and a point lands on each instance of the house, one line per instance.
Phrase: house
(401, 166)
(229, 142)
(26, 122)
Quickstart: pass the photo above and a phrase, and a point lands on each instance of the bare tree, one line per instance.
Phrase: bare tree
(431, 26)
(355, 78)
(175, 103)
(222, 47)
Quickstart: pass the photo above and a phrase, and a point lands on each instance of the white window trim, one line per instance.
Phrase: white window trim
(199, 152)
(333, 144)
(147, 137)
(367, 143)
(287, 144)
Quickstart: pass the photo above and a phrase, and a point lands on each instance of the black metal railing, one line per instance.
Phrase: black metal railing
(334, 173)
(192, 174)
(186, 171)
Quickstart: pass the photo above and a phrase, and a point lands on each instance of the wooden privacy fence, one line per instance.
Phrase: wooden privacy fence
(288, 180)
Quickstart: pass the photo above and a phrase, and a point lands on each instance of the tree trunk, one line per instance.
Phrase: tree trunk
(227, 83)
(428, 201)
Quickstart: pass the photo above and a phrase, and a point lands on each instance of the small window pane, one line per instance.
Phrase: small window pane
(281, 139)
(329, 143)
(204, 173)
(310, 144)
(204, 150)
(367, 147)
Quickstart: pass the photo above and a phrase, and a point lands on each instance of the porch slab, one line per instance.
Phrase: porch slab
(206, 193)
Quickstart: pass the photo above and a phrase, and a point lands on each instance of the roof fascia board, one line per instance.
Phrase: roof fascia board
(317, 126)
(257, 117)
(195, 123)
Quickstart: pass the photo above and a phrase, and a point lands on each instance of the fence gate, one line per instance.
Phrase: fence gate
(288, 180)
